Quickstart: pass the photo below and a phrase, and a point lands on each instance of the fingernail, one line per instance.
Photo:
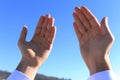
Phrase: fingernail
(82, 6)
(25, 26)
(77, 8)
(106, 19)
(53, 19)
(48, 15)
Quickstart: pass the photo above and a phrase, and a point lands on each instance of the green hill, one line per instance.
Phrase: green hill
(5, 74)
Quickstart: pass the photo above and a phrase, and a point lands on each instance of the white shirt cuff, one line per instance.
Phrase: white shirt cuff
(17, 75)
(103, 75)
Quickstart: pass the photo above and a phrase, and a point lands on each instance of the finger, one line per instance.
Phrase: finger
(23, 34)
(44, 26)
(52, 35)
(104, 25)
(39, 25)
(78, 33)
(50, 24)
(82, 18)
(91, 18)
(79, 23)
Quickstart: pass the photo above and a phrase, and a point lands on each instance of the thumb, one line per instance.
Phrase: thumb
(104, 25)
(23, 34)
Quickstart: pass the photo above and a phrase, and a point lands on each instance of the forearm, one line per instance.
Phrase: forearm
(26, 68)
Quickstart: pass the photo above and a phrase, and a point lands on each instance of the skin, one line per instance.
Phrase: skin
(95, 39)
(36, 51)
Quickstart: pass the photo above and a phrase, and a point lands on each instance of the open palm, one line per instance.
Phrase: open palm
(95, 39)
(37, 50)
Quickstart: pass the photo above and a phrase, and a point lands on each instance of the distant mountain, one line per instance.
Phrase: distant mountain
(4, 75)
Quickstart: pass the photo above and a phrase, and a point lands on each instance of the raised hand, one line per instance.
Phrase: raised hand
(36, 51)
(95, 39)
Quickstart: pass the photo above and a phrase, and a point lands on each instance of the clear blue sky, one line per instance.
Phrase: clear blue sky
(64, 60)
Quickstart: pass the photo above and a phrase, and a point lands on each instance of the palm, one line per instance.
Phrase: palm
(95, 39)
(39, 47)
(94, 43)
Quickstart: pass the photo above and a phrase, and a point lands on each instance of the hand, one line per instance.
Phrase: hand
(95, 39)
(35, 52)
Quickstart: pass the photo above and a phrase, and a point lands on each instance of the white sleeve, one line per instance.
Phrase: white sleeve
(17, 75)
(103, 75)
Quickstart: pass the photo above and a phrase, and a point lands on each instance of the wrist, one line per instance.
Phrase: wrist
(28, 69)
(98, 65)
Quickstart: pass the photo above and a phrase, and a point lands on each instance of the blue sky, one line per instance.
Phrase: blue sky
(65, 59)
